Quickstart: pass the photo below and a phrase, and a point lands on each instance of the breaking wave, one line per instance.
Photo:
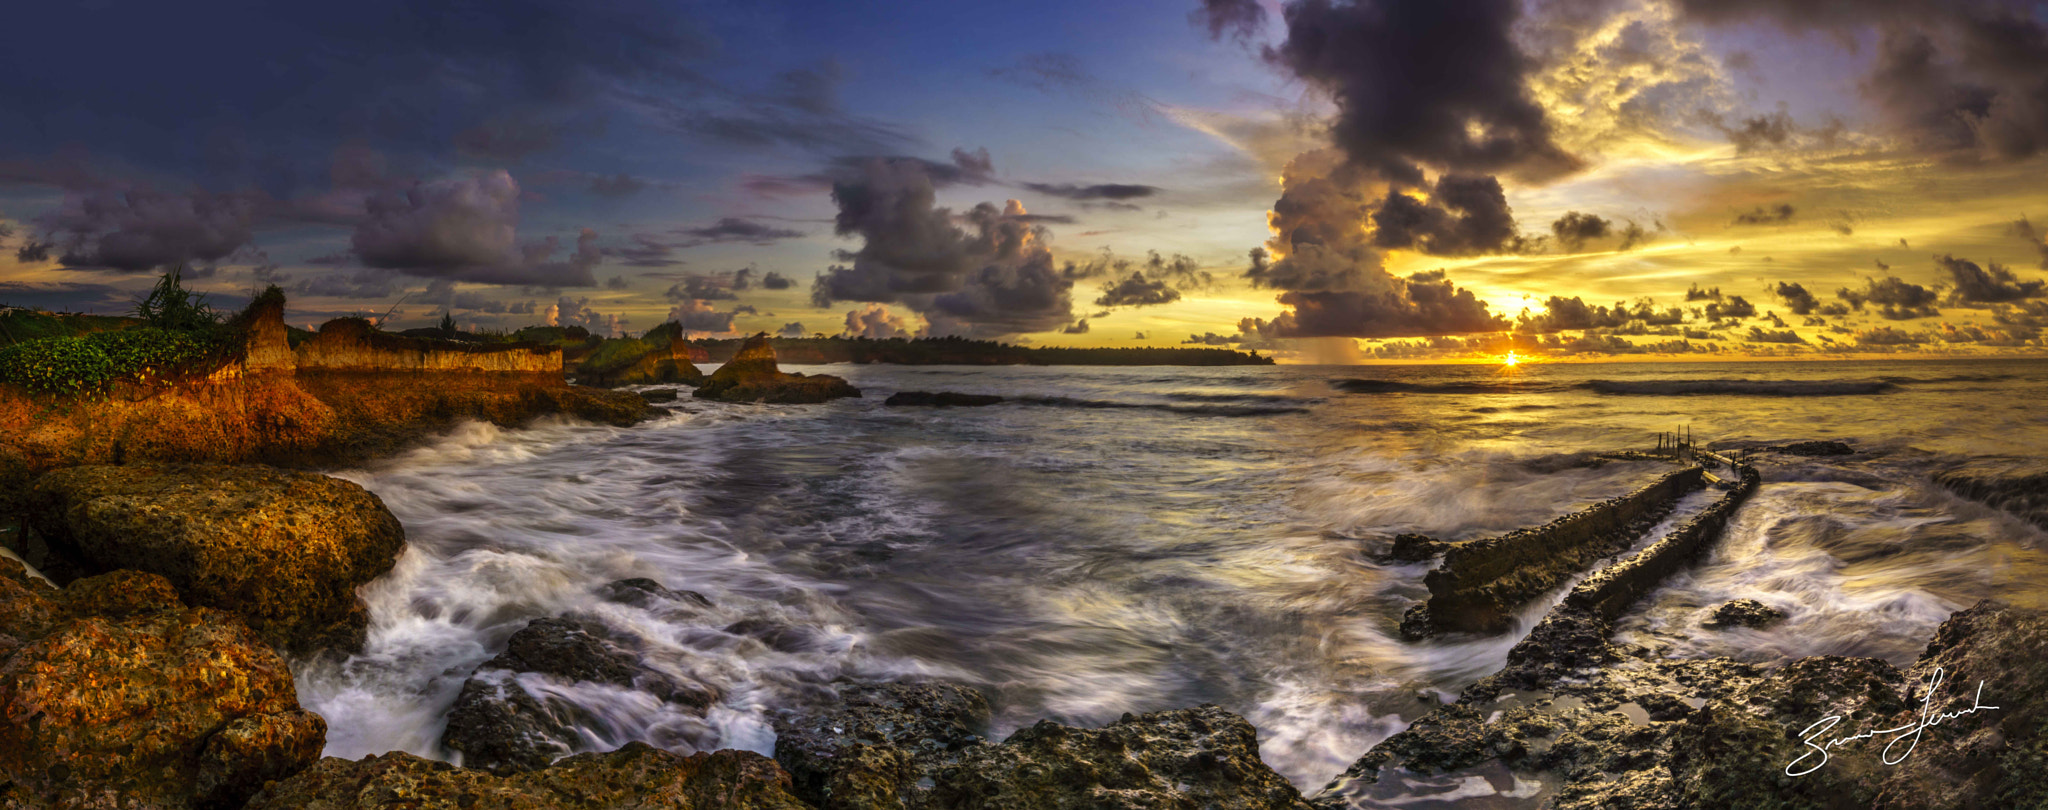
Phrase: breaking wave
(1761, 388)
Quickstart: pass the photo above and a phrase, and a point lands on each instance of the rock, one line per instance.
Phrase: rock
(642, 592)
(1990, 758)
(942, 399)
(283, 550)
(751, 376)
(1745, 613)
(114, 694)
(1815, 448)
(1202, 757)
(1415, 548)
(659, 395)
(2016, 485)
(636, 777)
(500, 726)
(872, 747)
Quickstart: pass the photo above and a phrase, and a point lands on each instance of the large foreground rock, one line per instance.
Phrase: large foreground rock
(283, 550)
(919, 746)
(751, 376)
(1642, 731)
(636, 777)
(115, 695)
(501, 726)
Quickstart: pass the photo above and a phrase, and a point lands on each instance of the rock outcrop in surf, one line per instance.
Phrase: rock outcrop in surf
(751, 376)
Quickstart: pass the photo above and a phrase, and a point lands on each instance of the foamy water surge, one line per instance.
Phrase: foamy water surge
(1126, 540)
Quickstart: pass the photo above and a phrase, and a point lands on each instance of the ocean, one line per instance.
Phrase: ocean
(1117, 540)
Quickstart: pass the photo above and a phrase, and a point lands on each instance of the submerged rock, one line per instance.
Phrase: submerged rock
(642, 592)
(114, 694)
(941, 399)
(659, 395)
(283, 550)
(636, 777)
(500, 725)
(751, 376)
(1415, 548)
(1816, 448)
(1745, 613)
(2016, 485)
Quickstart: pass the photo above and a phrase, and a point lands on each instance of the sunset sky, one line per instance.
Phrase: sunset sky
(1327, 181)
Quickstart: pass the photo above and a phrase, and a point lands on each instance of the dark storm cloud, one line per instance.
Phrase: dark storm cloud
(1098, 191)
(1992, 284)
(1233, 18)
(986, 273)
(735, 229)
(1797, 298)
(140, 230)
(367, 284)
(1574, 230)
(65, 296)
(1422, 83)
(800, 109)
(1897, 299)
(1767, 215)
(700, 288)
(1421, 305)
(775, 281)
(647, 250)
(1464, 216)
(1572, 313)
(465, 229)
(1949, 74)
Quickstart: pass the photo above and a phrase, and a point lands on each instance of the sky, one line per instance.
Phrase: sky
(1322, 180)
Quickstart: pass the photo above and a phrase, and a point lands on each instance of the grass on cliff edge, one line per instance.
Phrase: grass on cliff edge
(174, 334)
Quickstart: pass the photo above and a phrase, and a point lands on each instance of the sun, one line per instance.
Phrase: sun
(1510, 360)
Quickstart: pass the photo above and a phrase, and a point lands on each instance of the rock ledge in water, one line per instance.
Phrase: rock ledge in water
(283, 550)
(941, 399)
(751, 376)
(1745, 613)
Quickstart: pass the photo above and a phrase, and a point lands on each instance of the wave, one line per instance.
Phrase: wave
(1276, 399)
(1952, 379)
(1761, 388)
(1193, 410)
(1356, 386)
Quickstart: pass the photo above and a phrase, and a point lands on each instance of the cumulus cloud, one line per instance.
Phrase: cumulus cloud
(793, 329)
(700, 316)
(1735, 307)
(1897, 299)
(466, 229)
(1233, 18)
(987, 273)
(1420, 305)
(735, 229)
(1098, 191)
(2033, 237)
(775, 281)
(875, 322)
(1758, 334)
(1574, 230)
(696, 287)
(138, 230)
(1211, 339)
(1993, 284)
(1766, 215)
(1797, 298)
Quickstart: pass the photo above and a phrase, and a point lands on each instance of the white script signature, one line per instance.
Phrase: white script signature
(1908, 733)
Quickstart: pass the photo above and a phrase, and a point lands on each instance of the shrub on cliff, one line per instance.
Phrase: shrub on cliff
(613, 356)
(170, 306)
(88, 365)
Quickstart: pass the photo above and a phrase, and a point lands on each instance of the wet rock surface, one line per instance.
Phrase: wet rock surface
(919, 746)
(636, 777)
(1630, 729)
(940, 399)
(503, 722)
(115, 694)
(751, 376)
(1415, 548)
(1745, 613)
(1816, 448)
(284, 550)
(2017, 485)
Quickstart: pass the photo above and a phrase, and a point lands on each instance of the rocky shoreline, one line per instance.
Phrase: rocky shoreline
(153, 674)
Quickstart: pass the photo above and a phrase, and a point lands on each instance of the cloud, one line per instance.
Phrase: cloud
(1137, 291)
(369, 284)
(1239, 19)
(617, 186)
(1561, 313)
(647, 250)
(1464, 216)
(1898, 299)
(1696, 293)
(138, 230)
(2034, 238)
(1098, 191)
(1734, 308)
(875, 322)
(700, 316)
(1888, 336)
(775, 281)
(735, 229)
(1077, 328)
(1759, 133)
(1761, 215)
(1758, 334)
(992, 277)
(1473, 114)
(1211, 339)
(695, 287)
(1574, 230)
(1421, 305)
(793, 329)
(466, 229)
(1797, 298)
(1994, 284)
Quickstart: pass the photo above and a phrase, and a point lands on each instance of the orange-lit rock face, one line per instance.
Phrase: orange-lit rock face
(113, 694)
(350, 344)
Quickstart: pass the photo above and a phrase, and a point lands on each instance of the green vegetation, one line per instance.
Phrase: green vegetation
(613, 356)
(84, 355)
